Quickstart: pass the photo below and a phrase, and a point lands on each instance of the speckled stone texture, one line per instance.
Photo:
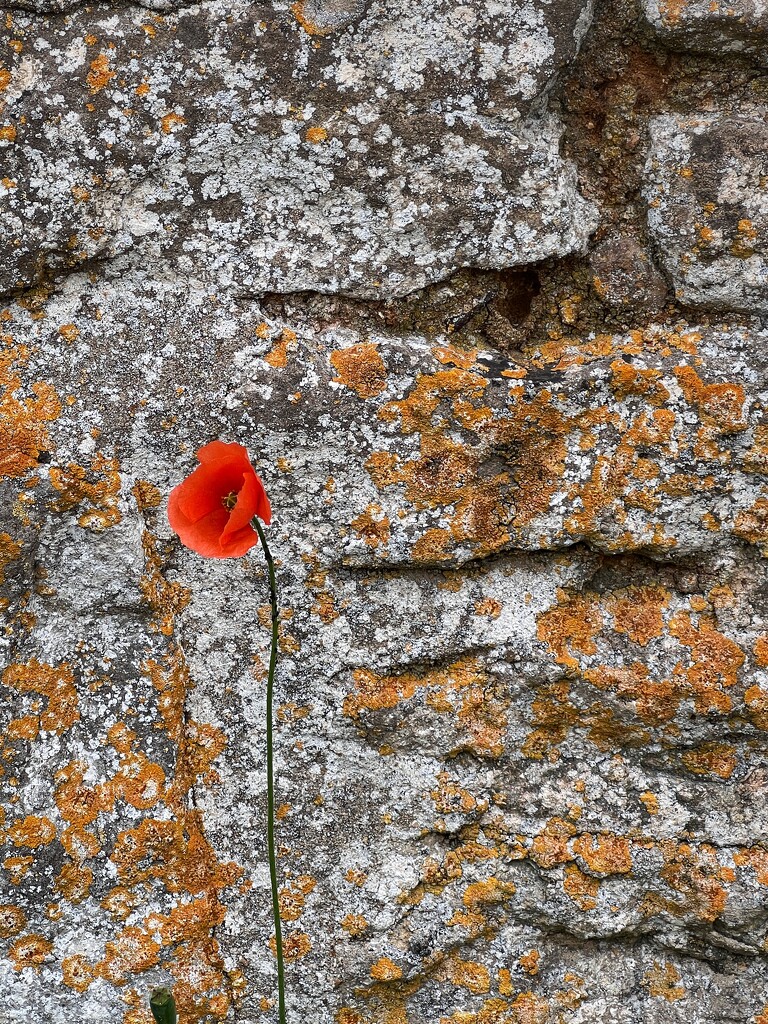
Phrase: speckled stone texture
(370, 152)
(480, 287)
(707, 190)
(711, 26)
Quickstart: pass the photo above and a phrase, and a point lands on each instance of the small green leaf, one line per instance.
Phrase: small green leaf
(163, 1006)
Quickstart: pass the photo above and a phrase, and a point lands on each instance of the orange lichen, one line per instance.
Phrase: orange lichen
(383, 469)
(715, 660)
(447, 474)
(574, 629)
(167, 121)
(571, 627)
(530, 962)
(278, 354)
(462, 688)
(489, 606)
(372, 526)
(354, 924)
(348, 1016)
(17, 867)
(100, 497)
(30, 951)
(77, 802)
(120, 902)
(553, 716)
(131, 952)
(23, 433)
(465, 974)
(637, 612)
(386, 970)
(718, 759)
(755, 460)
(100, 74)
(604, 854)
(32, 832)
(449, 355)
(296, 945)
(552, 845)
(432, 546)
(721, 406)
(756, 703)
(696, 876)
(293, 897)
(756, 858)
(583, 889)
(450, 797)
(752, 524)
(74, 881)
(77, 972)
(175, 852)
(12, 920)
(651, 802)
(56, 684)
(317, 134)
(375, 692)
(147, 495)
(629, 380)
(661, 982)
(310, 27)
(165, 598)
(526, 1008)
(9, 552)
(139, 781)
(361, 368)
(69, 332)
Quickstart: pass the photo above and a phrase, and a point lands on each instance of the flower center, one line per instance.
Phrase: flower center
(229, 500)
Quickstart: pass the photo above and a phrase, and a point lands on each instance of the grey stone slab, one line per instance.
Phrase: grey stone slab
(369, 152)
(708, 206)
(710, 26)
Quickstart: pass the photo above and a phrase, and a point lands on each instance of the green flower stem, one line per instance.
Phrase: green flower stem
(163, 1006)
(256, 523)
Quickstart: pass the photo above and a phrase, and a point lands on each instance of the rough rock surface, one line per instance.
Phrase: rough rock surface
(521, 515)
(370, 151)
(712, 26)
(707, 188)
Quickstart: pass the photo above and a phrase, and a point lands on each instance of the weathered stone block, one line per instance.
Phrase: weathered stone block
(711, 26)
(362, 149)
(522, 681)
(708, 206)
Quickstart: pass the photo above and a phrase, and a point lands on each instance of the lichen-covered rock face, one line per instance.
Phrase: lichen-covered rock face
(708, 206)
(520, 515)
(361, 148)
(489, 693)
(712, 27)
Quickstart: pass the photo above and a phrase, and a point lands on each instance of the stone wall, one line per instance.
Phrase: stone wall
(479, 285)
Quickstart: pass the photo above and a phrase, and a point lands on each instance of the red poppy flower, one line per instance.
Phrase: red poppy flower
(212, 509)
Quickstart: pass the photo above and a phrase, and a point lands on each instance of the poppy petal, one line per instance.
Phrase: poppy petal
(245, 507)
(238, 543)
(263, 507)
(204, 536)
(218, 451)
(204, 489)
